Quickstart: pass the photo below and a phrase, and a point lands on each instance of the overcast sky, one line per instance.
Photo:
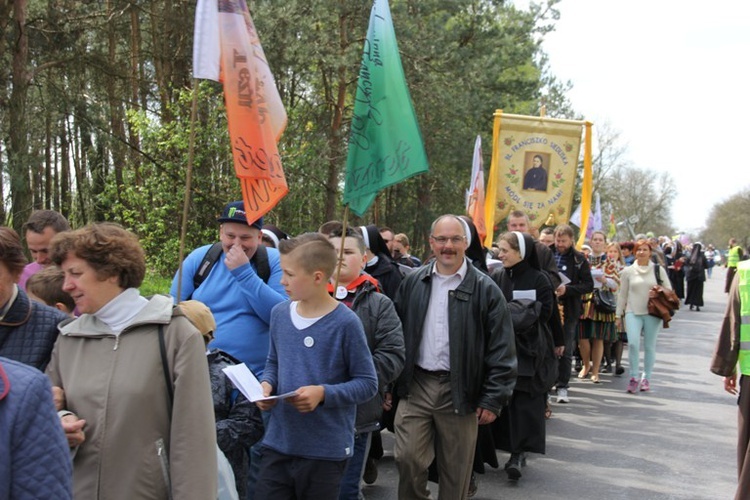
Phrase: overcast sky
(672, 77)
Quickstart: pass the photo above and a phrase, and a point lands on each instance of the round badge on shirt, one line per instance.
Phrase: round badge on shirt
(309, 341)
(341, 292)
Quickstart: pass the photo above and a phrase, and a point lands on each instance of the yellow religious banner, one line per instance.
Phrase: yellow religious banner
(534, 165)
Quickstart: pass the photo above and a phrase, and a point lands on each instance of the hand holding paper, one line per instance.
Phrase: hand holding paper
(266, 404)
(245, 381)
(308, 398)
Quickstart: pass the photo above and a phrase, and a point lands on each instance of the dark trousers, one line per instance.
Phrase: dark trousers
(565, 364)
(287, 477)
(731, 271)
(743, 440)
(256, 455)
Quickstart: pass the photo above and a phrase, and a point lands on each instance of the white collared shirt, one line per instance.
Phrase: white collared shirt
(434, 350)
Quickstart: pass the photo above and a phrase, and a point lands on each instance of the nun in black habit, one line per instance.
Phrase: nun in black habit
(528, 290)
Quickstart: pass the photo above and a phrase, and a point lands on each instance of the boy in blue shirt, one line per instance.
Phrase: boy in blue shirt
(318, 351)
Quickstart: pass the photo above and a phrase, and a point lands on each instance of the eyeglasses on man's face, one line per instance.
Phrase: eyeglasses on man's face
(443, 240)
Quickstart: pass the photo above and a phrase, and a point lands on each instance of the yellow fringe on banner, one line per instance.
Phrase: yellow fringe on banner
(588, 185)
(491, 192)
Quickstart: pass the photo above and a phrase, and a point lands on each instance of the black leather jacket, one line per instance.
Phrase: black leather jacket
(482, 343)
(386, 342)
(577, 269)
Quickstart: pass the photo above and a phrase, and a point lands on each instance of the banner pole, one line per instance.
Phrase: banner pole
(341, 248)
(188, 185)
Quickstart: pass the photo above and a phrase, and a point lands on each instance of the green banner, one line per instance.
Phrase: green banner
(385, 146)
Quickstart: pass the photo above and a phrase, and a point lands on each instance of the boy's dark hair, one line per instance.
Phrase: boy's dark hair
(41, 219)
(316, 252)
(47, 284)
(350, 233)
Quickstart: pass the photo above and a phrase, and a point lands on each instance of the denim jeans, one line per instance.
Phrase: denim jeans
(350, 484)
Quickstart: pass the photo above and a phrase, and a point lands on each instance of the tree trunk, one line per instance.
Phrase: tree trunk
(335, 141)
(2, 190)
(48, 165)
(20, 187)
(116, 115)
(136, 77)
(163, 53)
(81, 147)
(65, 202)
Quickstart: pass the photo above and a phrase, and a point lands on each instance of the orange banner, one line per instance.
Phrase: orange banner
(255, 113)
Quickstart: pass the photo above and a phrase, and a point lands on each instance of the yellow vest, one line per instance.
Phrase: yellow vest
(733, 257)
(743, 274)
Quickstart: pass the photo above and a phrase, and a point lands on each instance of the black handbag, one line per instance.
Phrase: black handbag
(604, 301)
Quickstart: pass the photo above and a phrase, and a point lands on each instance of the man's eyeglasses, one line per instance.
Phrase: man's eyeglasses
(442, 240)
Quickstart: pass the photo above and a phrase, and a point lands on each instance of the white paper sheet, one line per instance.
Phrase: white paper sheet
(597, 273)
(524, 294)
(244, 380)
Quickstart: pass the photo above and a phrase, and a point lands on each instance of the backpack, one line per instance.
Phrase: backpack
(260, 259)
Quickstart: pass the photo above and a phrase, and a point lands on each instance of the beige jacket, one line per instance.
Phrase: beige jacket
(117, 385)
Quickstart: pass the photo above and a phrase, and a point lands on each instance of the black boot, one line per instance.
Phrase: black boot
(473, 485)
(513, 466)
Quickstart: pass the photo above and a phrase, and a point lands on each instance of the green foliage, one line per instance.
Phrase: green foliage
(729, 219)
(110, 109)
(155, 284)
(153, 208)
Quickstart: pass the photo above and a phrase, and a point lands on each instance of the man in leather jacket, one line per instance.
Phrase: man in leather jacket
(460, 366)
(575, 267)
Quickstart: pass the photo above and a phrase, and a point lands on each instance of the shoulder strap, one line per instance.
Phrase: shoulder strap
(657, 273)
(262, 267)
(212, 255)
(260, 259)
(165, 366)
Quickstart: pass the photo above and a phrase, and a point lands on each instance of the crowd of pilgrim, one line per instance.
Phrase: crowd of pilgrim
(105, 393)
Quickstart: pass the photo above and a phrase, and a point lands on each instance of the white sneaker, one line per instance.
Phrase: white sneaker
(562, 396)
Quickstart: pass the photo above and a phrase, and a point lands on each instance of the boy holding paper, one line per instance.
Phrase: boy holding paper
(318, 350)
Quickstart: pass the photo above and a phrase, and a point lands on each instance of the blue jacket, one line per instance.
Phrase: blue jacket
(240, 302)
(29, 330)
(34, 454)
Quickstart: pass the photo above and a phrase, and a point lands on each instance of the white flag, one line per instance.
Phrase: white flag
(206, 46)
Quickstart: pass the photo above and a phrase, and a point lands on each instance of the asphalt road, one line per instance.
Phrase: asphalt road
(675, 442)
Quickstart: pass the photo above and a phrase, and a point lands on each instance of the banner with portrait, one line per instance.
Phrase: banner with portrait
(534, 165)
